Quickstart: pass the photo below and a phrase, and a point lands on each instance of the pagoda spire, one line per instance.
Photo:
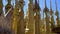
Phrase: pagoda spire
(57, 14)
(31, 23)
(50, 5)
(18, 18)
(56, 5)
(51, 16)
(15, 18)
(21, 24)
(45, 3)
(46, 11)
(9, 1)
(37, 18)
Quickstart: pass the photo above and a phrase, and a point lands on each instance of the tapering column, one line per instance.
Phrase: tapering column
(57, 15)
(27, 22)
(51, 18)
(1, 6)
(15, 18)
(37, 18)
(21, 24)
(31, 24)
(47, 19)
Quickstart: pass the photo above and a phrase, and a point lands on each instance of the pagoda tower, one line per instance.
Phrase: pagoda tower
(26, 22)
(31, 24)
(37, 18)
(21, 24)
(1, 6)
(18, 18)
(14, 20)
(51, 16)
(57, 15)
(46, 11)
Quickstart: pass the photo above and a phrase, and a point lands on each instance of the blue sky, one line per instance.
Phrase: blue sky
(41, 5)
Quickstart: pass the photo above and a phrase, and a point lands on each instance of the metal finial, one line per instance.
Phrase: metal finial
(56, 5)
(38, 1)
(45, 3)
(50, 4)
(9, 1)
(35, 1)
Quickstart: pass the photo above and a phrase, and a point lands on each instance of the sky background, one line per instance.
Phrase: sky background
(41, 3)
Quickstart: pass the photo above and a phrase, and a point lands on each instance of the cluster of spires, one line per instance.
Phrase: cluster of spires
(34, 22)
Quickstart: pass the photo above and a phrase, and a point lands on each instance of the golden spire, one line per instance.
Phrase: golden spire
(57, 14)
(15, 18)
(45, 3)
(51, 16)
(31, 23)
(9, 1)
(56, 4)
(21, 24)
(56, 9)
(37, 17)
(18, 18)
(51, 12)
(46, 10)
(50, 4)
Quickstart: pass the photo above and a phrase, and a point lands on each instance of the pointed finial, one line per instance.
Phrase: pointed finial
(50, 4)
(56, 5)
(51, 12)
(9, 1)
(38, 1)
(35, 1)
(57, 13)
(45, 3)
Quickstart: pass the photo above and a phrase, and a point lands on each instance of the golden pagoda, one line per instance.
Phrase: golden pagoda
(51, 16)
(21, 24)
(15, 14)
(57, 15)
(18, 18)
(46, 11)
(37, 18)
(31, 23)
